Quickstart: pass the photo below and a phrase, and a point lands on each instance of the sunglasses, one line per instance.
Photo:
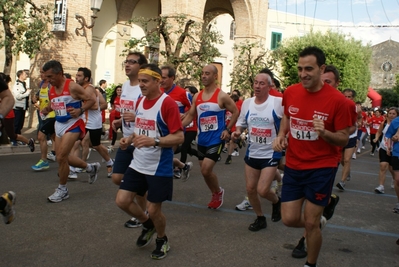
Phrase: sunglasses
(130, 62)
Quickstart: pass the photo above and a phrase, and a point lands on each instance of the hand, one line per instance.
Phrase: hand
(225, 135)
(116, 124)
(45, 110)
(318, 125)
(125, 142)
(140, 141)
(74, 112)
(279, 143)
(395, 138)
(129, 116)
(235, 135)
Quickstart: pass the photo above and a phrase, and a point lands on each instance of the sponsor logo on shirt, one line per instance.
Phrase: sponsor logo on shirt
(293, 110)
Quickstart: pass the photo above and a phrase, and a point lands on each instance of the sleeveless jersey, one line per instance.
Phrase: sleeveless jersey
(93, 118)
(155, 161)
(263, 123)
(210, 120)
(130, 95)
(60, 104)
(43, 102)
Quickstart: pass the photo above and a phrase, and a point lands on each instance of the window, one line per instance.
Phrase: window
(232, 30)
(276, 40)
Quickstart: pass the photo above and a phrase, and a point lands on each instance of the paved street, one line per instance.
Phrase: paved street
(87, 229)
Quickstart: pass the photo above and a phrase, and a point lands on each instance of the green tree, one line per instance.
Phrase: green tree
(347, 54)
(390, 98)
(184, 43)
(250, 58)
(25, 28)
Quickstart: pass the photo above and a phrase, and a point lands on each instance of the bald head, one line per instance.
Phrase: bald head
(209, 75)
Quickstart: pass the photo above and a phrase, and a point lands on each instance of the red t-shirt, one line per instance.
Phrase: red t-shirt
(274, 92)
(305, 150)
(374, 123)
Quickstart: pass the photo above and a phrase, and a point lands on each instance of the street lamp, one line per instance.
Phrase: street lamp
(95, 7)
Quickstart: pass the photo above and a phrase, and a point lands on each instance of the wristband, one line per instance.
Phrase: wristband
(228, 130)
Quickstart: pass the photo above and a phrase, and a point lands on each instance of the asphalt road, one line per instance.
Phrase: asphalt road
(87, 229)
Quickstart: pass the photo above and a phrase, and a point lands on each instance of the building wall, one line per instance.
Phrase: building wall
(386, 52)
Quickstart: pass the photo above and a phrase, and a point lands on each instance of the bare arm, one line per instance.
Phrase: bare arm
(189, 115)
(88, 96)
(280, 142)
(7, 102)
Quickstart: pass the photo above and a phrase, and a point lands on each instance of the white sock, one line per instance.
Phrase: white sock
(110, 162)
(62, 187)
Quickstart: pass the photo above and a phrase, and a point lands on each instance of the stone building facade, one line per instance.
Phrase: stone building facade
(384, 64)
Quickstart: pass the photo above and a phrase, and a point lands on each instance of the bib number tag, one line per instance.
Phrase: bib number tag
(145, 127)
(59, 108)
(303, 130)
(261, 136)
(208, 124)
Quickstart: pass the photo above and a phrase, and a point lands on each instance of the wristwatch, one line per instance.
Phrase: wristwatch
(156, 142)
(228, 130)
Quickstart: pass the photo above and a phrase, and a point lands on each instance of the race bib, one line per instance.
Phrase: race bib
(376, 126)
(145, 127)
(303, 130)
(127, 105)
(261, 135)
(209, 123)
(59, 108)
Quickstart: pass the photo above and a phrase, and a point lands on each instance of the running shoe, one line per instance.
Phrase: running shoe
(372, 154)
(185, 172)
(217, 200)
(73, 175)
(8, 211)
(354, 155)
(51, 156)
(109, 170)
(145, 237)
(132, 223)
(349, 177)
(244, 205)
(49, 143)
(363, 147)
(95, 168)
(224, 150)
(228, 160)
(379, 189)
(299, 251)
(276, 212)
(358, 151)
(341, 186)
(177, 173)
(41, 165)
(31, 144)
(162, 248)
(235, 153)
(328, 211)
(59, 195)
(258, 224)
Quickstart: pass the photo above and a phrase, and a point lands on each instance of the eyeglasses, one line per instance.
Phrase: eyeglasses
(130, 62)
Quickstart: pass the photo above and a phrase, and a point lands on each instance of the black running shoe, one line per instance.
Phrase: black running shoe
(329, 209)
(145, 237)
(276, 213)
(260, 223)
(299, 251)
(228, 160)
(132, 223)
(162, 248)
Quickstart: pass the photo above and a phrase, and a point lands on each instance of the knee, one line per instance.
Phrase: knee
(289, 221)
(311, 226)
(206, 172)
(121, 202)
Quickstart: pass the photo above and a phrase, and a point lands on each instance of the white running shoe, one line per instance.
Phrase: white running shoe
(185, 174)
(363, 147)
(235, 153)
(73, 175)
(59, 195)
(49, 143)
(358, 151)
(379, 189)
(244, 205)
(354, 155)
(94, 172)
(51, 156)
(323, 222)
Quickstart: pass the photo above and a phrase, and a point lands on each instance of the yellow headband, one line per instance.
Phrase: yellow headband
(151, 73)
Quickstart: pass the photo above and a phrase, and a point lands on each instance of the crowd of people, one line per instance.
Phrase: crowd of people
(296, 140)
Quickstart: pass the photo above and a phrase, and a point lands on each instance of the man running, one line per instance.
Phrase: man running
(210, 106)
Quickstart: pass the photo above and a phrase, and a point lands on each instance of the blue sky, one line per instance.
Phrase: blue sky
(354, 15)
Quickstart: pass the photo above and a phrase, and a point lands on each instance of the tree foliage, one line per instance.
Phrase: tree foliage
(250, 58)
(186, 44)
(389, 98)
(344, 52)
(25, 28)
